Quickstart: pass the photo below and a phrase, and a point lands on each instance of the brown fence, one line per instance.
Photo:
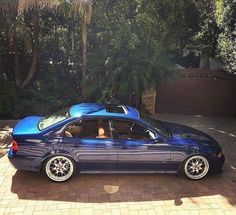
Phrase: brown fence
(201, 92)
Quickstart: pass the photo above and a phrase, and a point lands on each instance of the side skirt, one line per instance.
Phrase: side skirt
(126, 172)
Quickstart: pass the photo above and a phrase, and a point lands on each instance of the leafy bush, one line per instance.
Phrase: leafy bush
(46, 95)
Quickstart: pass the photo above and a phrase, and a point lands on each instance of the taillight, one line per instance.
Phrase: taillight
(15, 146)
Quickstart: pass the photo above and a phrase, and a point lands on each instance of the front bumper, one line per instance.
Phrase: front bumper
(216, 164)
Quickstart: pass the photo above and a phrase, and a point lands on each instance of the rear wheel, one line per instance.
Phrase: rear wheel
(59, 168)
(196, 167)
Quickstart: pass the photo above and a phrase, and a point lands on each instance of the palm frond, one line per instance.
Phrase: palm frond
(82, 8)
(25, 5)
(8, 6)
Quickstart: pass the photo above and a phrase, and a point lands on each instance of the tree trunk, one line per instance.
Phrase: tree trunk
(32, 69)
(130, 99)
(16, 64)
(10, 29)
(204, 62)
(1, 67)
(84, 60)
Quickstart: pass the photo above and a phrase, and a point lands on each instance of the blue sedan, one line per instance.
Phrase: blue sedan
(96, 138)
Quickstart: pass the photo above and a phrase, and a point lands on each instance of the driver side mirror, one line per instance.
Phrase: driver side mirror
(149, 134)
(146, 134)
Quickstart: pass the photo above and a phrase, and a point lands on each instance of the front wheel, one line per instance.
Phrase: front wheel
(59, 168)
(196, 167)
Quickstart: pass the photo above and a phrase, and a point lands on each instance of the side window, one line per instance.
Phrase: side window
(130, 130)
(96, 128)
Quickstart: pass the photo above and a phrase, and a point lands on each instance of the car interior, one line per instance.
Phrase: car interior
(130, 130)
(89, 129)
(100, 128)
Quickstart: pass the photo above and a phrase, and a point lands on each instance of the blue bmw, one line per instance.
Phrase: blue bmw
(95, 138)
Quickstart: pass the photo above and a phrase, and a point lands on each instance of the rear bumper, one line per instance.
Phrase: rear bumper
(216, 164)
(24, 163)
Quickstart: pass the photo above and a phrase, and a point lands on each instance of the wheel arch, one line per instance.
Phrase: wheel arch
(181, 165)
(51, 154)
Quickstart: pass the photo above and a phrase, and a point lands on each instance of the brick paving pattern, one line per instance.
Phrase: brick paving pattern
(141, 194)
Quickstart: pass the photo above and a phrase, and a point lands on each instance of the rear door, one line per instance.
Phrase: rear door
(138, 150)
(93, 153)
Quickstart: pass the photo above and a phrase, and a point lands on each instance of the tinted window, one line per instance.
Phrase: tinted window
(96, 128)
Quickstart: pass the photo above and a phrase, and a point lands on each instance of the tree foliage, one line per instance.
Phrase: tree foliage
(225, 14)
(130, 42)
(58, 52)
(216, 37)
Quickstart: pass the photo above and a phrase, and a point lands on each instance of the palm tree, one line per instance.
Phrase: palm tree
(86, 15)
(81, 8)
(33, 5)
(17, 30)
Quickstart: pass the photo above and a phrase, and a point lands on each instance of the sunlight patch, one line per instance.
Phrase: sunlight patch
(111, 189)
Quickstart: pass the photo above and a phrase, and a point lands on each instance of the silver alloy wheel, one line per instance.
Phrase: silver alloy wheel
(59, 168)
(196, 167)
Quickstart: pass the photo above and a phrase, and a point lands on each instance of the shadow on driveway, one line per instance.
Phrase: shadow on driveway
(125, 188)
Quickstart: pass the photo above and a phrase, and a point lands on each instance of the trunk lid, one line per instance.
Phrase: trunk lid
(28, 125)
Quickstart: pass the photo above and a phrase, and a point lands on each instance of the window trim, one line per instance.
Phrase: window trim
(124, 109)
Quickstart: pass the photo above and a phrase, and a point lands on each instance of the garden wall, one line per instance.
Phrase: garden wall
(200, 92)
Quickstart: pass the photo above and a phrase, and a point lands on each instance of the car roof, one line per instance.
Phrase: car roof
(96, 109)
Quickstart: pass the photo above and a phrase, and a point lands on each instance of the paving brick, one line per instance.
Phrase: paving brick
(32, 193)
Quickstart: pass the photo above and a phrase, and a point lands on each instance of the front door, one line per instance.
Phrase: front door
(138, 150)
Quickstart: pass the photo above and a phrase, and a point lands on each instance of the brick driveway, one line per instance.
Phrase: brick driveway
(32, 193)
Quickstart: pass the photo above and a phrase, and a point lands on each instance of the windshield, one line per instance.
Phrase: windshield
(154, 123)
(54, 118)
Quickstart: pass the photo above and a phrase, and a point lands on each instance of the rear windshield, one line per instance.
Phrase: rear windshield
(54, 118)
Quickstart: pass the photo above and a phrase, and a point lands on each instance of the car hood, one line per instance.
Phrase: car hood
(191, 135)
(28, 125)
